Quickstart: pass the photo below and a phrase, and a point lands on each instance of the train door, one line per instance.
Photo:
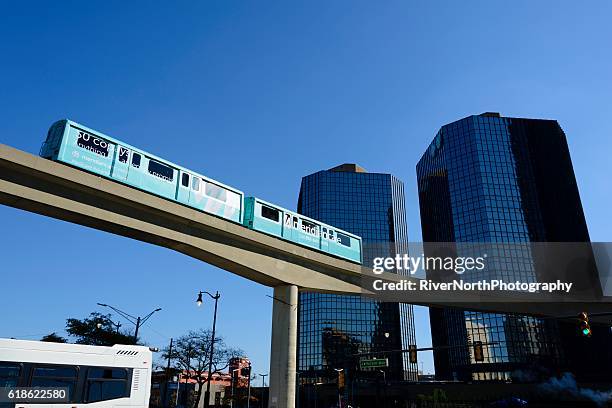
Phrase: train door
(121, 163)
(134, 175)
(296, 224)
(183, 189)
(286, 232)
(324, 239)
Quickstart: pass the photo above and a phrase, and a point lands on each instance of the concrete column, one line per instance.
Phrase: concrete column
(283, 354)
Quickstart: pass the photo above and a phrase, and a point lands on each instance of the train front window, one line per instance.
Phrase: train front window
(123, 154)
(344, 240)
(215, 191)
(106, 384)
(161, 171)
(270, 213)
(185, 180)
(55, 376)
(93, 144)
(136, 160)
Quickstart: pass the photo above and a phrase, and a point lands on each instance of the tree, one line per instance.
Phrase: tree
(97, 330)
(191, 353)
(54, 338)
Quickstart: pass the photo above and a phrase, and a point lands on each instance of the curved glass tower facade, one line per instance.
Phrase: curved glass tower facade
(488, 178)
(334, 328)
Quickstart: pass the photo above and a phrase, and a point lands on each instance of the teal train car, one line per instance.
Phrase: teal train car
(81, 147)
(269, 218)
(76, 145)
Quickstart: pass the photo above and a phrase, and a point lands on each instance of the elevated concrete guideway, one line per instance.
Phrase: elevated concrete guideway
(53, 189)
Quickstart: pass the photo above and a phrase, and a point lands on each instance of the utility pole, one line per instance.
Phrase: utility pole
(137, 321)
(216, 297)
(249, 393)
(168, 370)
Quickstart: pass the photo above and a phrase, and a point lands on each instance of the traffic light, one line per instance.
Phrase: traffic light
(478, 352)
(412, 353)
(585, 327)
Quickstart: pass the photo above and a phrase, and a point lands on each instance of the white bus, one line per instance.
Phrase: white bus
(87, 376)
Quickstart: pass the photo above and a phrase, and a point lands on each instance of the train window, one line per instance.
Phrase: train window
(93, 144)
(344, 240)
(185, 180)
(324, 232)
(215, 191)
(161, 170)
(331, 235)
(195, 183)
(123, 154)
(136, 160)
(9, 374)
(55, 376)
(270, 213)
(106, 384)
(295, 222)
(310, 228)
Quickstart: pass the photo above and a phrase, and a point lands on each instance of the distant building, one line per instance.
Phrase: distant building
(181, 388)
(333, 329)
(488, 178)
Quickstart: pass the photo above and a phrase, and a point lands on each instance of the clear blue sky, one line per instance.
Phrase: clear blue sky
(259, 94)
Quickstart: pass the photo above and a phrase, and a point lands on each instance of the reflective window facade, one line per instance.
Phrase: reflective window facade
(488, 178)
(333, 328)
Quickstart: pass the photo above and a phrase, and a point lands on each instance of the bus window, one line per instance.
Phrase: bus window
(270, 213)
(9, 374)
(106, 384)
(136, 160)
(185, 180)
(344, 240)
(55, 376)
(123, 154)
(215, 191)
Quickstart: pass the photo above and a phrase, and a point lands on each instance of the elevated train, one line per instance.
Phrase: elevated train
(76, 145)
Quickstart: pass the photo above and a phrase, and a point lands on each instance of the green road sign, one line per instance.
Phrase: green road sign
(374, 363)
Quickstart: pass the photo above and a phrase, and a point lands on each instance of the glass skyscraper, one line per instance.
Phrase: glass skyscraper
(488, 178)
(333, 329)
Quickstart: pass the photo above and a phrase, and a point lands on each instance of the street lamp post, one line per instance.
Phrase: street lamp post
(216, 297)
(385, 387)
(137, 321)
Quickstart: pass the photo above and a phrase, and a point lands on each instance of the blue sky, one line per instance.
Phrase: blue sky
(259, 94)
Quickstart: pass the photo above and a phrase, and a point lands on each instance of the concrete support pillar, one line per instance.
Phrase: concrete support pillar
(283, 354)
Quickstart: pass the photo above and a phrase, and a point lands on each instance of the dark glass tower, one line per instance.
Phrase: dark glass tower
(488, 178)
(333, 328)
